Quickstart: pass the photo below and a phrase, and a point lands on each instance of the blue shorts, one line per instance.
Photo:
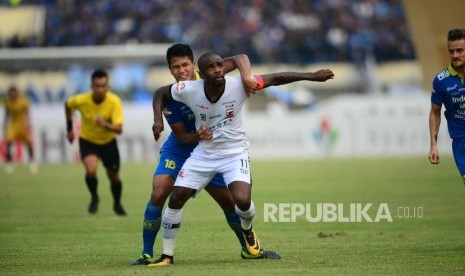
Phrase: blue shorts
(170, 163)
(458, 148)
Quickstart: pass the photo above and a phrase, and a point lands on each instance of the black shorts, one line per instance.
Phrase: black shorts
(108, 153)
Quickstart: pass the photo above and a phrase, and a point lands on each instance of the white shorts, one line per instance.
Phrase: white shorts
(200, 168)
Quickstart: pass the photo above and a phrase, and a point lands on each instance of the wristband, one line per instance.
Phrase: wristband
(69, 125)
(261, 83)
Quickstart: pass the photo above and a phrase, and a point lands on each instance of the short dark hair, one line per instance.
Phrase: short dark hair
(179, 50)
(203, 59)
(99, 73)
(11, 89)
(456, 34)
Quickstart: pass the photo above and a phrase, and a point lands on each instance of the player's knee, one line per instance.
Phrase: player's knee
(159, 196)
(179, 197)
(91, 173)
(242, 200)
(162, 185)
(114, 178)
(243, 204)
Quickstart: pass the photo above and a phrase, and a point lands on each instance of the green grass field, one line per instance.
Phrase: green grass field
(45, 228)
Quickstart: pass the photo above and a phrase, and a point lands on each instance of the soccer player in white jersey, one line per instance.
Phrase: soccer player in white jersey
(217, 103)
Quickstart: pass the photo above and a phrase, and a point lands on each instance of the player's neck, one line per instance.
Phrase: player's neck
(461, 71)
(98, 101)
(213, 92)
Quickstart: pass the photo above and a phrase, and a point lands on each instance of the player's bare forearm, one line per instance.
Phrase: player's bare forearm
(243, 65)
(160, 96)
(229, 65)
(182, 135)
(188, 138)
(68, 112)
(289, 77)
(240, 62)
(69, 123)
(434, 123)
(116, 128)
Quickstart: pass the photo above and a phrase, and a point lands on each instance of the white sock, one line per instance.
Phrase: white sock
(246, 216)
(171, 223)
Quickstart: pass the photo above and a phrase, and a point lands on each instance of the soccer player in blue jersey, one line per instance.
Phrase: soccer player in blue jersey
(449, 90)
(174, 152)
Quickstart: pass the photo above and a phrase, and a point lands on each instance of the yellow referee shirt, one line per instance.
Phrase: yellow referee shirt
(110, 109)
(17, 124)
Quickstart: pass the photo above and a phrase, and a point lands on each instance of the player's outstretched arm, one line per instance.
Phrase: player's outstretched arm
(281, 78)
(434, 122)
(160, 96)
(242, 63)
(69, 123)
(234, 62)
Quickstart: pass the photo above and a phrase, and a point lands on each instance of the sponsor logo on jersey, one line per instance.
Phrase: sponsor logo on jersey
(460, 99)
(215, 116)
(180, 86)
(229, 112)
(443, 74)
(451, 88)
(229, 103)
(201, 106)
(203, 117)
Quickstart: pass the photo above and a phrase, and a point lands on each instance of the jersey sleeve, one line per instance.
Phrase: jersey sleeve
(437, 92)
(179, 91)
(172, 112)
(117, 114)
(73, 102)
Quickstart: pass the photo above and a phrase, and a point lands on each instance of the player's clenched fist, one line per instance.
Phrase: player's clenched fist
(205, 134)
(157, 128)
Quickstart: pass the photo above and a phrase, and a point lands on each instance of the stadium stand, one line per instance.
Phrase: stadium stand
(294, 34)
(295, 31)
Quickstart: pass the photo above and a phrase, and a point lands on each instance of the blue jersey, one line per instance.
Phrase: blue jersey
(449, 89)
(176, 112)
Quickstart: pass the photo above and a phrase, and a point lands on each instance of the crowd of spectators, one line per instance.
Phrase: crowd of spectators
(288, 31)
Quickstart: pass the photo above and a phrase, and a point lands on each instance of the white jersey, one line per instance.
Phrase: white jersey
(223, 118)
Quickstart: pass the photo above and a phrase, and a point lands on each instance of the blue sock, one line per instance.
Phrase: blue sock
(235, 223)
(152, 221)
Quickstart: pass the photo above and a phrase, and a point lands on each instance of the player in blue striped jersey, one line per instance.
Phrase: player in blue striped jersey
(449, 90)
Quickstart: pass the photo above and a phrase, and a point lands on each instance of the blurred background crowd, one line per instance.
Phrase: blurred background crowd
(269, 31)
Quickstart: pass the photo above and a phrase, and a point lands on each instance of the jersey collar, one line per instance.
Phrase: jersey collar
(454, 73)
(452, 70)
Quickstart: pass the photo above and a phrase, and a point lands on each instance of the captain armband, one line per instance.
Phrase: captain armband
(260, 82)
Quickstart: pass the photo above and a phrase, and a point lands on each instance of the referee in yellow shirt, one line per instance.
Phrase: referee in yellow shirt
(101, 119)
(17, 127)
